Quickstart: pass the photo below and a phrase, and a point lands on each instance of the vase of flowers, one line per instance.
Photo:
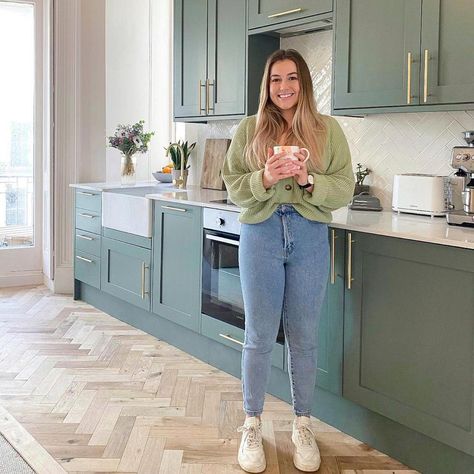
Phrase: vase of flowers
(130, 140)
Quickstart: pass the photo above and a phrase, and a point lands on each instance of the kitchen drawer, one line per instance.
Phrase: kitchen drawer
(88, 242)
(89, 200)
(87, 268)
(88, 220)
(233, 337)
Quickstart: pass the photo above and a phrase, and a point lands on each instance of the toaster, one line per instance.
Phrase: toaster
(425, 194)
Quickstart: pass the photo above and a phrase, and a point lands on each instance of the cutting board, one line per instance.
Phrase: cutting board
(214, 154)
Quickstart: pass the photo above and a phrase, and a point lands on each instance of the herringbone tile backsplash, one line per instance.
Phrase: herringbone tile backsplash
(388, 144)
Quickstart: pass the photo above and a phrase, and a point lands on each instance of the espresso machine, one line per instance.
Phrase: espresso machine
(463, 161)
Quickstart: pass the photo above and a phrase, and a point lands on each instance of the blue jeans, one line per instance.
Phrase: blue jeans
(284, 265)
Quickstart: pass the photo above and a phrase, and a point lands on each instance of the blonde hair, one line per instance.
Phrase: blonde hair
(308, 128)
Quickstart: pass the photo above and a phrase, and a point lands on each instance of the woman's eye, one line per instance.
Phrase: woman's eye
(293, 78)
(275, 79)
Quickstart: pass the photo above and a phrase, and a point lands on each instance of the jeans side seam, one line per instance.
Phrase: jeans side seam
(290, 368)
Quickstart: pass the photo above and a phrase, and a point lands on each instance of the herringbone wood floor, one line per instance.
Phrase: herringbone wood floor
(82, 392)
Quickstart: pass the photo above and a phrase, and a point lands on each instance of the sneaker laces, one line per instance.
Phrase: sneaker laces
(253, 435)
(305, 435)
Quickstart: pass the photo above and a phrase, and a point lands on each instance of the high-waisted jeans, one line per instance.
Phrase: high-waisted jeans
(284, 264)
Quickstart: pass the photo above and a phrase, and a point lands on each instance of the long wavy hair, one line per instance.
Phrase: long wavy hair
(308, 128)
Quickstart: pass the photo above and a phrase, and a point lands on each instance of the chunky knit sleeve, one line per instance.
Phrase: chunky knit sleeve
(245, 187)
(334, 188)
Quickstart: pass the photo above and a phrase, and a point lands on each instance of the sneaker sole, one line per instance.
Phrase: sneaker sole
(253, 470)
(306, 468)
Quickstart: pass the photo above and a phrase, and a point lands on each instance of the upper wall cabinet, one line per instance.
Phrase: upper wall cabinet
(404, 55)
(209, 58)
(274, 12)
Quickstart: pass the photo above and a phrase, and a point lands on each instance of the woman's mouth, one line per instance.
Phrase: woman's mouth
(286, 95)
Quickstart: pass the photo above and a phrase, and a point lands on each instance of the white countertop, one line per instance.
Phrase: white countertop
(405, 226)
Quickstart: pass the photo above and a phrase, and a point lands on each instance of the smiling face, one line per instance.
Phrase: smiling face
(284, 86)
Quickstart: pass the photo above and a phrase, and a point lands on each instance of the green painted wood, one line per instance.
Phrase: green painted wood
(408, 335)
(448, 35)
(89, 200)
(372, 41)
(127, 237)
(227, 45)
(177, 263)
(331, 326)
(125, 272)
(390, 437)
(190, 56)
(87, 242)
(88, 220)
(87, 268)
(228, 335)
(260, 10)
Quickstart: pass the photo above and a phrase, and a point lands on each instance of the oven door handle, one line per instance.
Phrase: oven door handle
(222, 239)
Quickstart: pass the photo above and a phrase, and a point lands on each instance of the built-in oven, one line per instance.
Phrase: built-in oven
(221, 290)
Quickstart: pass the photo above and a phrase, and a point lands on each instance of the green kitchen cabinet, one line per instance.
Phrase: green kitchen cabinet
(262, 13)
(125, 272)
(330, 334)
(409, 334)
(209, 58)
(177, 263)
(402, 56)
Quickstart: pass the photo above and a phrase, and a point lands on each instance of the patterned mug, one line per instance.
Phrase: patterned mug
(290, 151)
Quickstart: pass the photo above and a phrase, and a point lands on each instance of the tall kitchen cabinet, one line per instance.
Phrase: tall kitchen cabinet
(210, 38)
(409, 334)
(408, 54)
(177, 263)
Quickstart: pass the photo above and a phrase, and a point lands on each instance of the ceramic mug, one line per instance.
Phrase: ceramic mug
(290, 151)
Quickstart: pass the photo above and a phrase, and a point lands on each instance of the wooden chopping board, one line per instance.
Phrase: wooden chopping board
(214, 154)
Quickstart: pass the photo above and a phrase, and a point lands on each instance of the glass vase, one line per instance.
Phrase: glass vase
(128, 170)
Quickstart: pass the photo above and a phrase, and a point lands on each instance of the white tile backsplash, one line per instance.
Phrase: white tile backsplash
(388, 143)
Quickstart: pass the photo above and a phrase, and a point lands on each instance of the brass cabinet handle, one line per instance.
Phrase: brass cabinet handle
(425, 79)
(144, 268)
(230, 338)
(200, 98)
(333, 256)
(349, 260)
(287, 12)
(89, 216)
(85, 194)
(409, 78)
(84, 237)
(84, 259)
(174, 208)
(210, 84)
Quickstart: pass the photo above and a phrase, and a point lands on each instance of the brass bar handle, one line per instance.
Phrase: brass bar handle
(210, 84)
(287, 12)
(89, 216)
(84, 259)
(232, 339)
(425, 78)
(200, 97)
(333, 256)
(144, 268)
(85, 194)
(349, 260)
(84, 237)
(409, 78)
(174, 208)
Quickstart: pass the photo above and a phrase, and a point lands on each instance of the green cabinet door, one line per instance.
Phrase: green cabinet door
(177, 263)
(373, 39)
(190, 57)
(226, 72)
(125, 272)
(448, 38)
(330, 334)
(274, 12)
(409, 335)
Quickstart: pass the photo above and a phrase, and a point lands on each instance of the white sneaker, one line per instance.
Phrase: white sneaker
(251, 455)
(306, 457)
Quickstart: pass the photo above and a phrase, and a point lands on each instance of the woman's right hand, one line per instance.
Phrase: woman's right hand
(277, 168)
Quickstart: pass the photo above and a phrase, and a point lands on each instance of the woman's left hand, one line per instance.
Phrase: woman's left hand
(301, 175)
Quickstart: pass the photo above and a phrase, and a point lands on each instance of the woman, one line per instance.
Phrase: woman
(283, 254)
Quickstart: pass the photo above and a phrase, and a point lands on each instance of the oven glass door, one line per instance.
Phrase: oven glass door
(221, 290)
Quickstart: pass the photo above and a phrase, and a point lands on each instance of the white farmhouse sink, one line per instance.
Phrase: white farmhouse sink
(128, 210)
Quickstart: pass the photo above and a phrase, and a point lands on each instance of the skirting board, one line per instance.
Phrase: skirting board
(21, 279)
